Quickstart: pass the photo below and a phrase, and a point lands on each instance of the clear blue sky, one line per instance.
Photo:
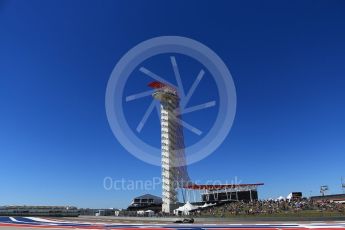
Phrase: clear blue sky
(287, 59)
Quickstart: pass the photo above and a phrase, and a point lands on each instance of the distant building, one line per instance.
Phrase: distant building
(145, 201)
(88, 211)
(333, 198)
(97, 212)
(295, 196)
(56, 211)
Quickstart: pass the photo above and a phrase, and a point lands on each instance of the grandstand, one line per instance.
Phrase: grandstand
(56, 211)
(146, 202)
(333, 198)
(227, 192)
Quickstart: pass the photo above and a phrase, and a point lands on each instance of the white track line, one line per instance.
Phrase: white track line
(14, 220)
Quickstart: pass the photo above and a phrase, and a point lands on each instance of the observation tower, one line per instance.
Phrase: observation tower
(174, 169)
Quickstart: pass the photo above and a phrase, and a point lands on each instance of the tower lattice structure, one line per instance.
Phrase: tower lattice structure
(174, 169)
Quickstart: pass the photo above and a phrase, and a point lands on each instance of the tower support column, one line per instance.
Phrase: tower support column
(168, 157)
(174, 170)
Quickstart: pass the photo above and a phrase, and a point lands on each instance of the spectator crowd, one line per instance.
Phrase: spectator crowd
(273, 207)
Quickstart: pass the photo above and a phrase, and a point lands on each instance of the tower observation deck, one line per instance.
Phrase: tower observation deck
(174, 169)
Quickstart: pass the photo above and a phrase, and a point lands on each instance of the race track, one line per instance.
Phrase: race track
(28, 223)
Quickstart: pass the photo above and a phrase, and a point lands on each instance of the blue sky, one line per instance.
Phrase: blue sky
(287, 59)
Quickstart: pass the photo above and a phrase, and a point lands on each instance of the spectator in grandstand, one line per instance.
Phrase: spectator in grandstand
(273, 207)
